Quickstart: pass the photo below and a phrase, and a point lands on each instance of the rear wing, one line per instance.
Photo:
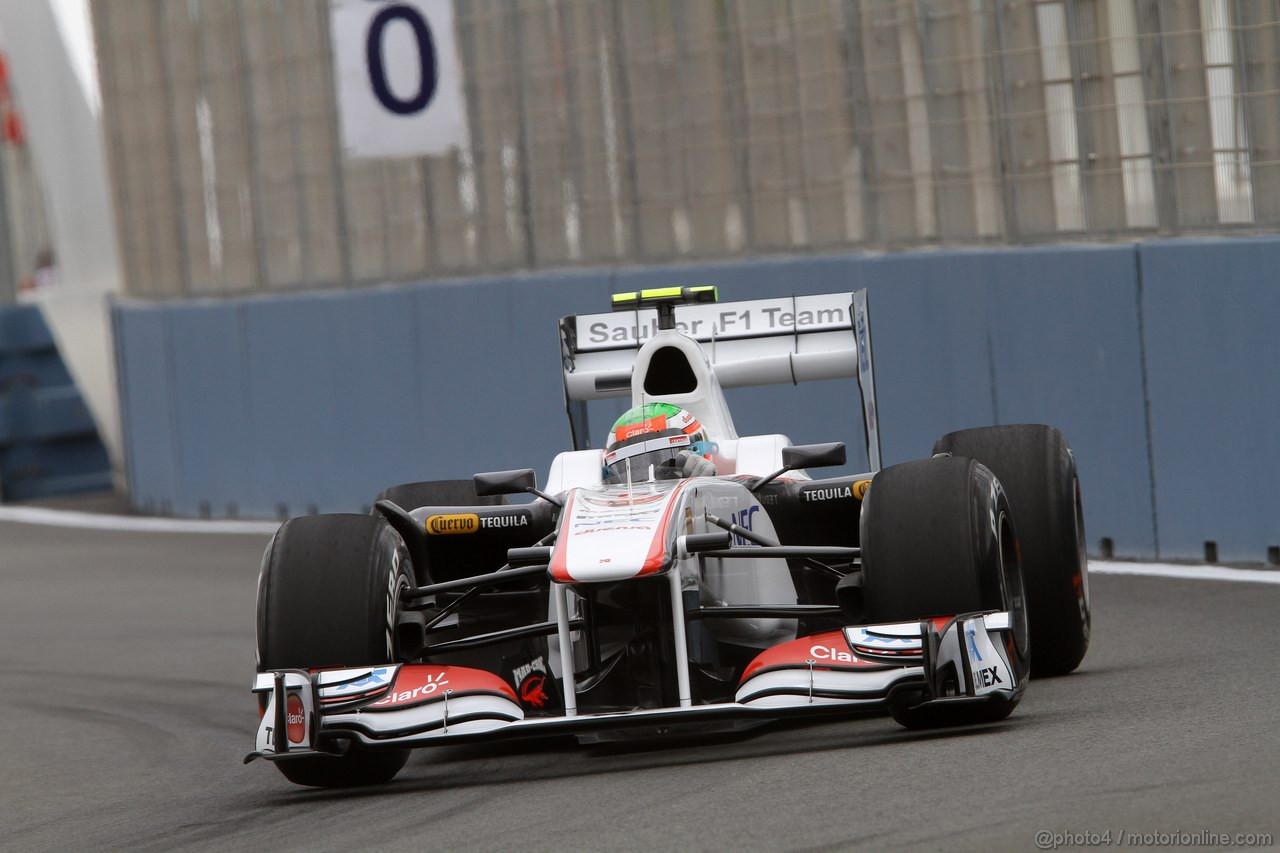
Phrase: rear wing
(756, 342)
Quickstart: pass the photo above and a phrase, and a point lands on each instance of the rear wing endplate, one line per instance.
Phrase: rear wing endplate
(756, 342)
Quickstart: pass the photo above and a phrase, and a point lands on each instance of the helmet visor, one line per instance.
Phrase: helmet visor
(641, 461)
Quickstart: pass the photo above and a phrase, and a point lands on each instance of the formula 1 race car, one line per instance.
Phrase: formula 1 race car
(684, 579)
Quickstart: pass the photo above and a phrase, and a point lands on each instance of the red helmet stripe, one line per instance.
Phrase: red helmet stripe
(625, 431)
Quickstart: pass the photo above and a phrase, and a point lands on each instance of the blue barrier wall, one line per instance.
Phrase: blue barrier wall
(1152, 359)
(49, 443)
(1044, 335)
(1211, 315)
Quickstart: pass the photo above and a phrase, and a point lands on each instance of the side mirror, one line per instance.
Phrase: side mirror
(538, 555)
(806, 456)
(698, 543)
(514, 482)
(814, 455)
(519, 481)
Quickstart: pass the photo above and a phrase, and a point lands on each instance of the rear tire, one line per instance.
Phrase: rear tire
(328, 596)
(937, 540)
(1038, 471)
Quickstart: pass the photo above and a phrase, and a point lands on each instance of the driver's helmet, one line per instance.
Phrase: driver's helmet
(653, 437)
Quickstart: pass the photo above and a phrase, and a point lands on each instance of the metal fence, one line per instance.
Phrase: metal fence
(621, 131)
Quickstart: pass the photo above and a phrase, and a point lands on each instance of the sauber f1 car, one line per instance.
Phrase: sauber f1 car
(619, 603)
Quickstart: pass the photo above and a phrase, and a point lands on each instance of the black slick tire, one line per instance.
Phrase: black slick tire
(938, 540)
(1038, 472)
(328, 596)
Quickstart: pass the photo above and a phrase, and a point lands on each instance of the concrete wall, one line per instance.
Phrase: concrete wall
(50, 50)
(602, 132)
(1154, 359)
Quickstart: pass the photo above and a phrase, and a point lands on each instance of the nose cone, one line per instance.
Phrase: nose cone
(616, 533)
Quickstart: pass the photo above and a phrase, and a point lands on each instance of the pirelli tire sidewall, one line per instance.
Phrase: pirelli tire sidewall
(328, 596)
(1038, 471)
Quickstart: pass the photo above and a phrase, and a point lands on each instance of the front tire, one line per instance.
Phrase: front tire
(328, 596)
(1038, 471)
(938, 540)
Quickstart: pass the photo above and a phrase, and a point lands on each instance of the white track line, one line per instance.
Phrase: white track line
(130, 523)
(1172, 570)
(146, 524)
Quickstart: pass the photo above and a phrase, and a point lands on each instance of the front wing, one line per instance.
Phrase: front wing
(962, 660)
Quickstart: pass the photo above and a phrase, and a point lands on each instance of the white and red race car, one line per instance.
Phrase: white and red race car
(930, 589)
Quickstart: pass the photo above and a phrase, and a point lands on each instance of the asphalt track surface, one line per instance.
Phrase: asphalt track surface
(125, 661)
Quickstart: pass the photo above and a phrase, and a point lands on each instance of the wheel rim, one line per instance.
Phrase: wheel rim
(1080, 582)
(1011, 585)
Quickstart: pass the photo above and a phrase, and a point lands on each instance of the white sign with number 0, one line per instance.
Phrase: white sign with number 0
(398, 77)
